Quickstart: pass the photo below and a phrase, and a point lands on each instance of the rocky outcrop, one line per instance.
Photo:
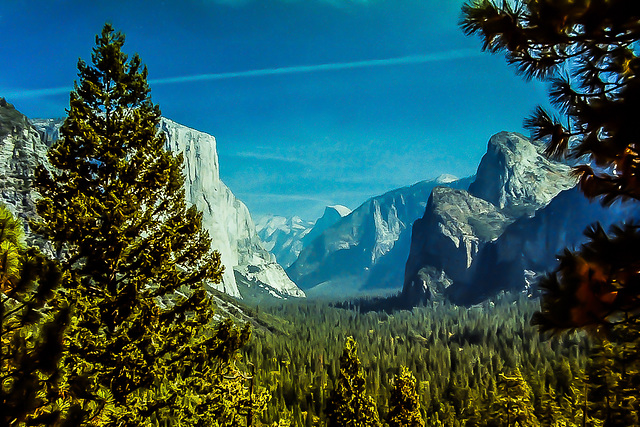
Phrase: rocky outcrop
(516, 177)
(432, 284)
(455, 226)
(21, 150)
(460, 230)
(529, 246)
(366, 250)
(226, 218)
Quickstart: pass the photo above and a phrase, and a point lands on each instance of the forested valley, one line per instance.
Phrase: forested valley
(473, 366)
(113, 320)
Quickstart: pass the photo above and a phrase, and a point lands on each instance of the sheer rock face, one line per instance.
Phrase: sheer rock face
(24, 145)
(516, 177)
(366, 250)
(455, 226)
(225, 217)
(431, 285)
(21, 150)
(460, 229)
(530, 244)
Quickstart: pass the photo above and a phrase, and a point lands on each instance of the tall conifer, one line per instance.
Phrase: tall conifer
(588, 52)
(349, 405)
(514, 404)
(404, 405)
(134, 258)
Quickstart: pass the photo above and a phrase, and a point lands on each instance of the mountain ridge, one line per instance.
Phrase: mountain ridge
(366, 250)
(532, 210)
(23, 145)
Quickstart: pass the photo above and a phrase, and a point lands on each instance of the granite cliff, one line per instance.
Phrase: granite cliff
(521, 210)
(365, 251)
(23, 145)
(228, 220)
(21, 150)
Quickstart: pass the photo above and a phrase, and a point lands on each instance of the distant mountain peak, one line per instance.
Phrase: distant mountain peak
(341, 210)
(446, 178)
(365, 251)
(516, 176)
(287, 237)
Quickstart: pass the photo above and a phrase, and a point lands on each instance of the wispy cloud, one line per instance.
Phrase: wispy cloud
(35, 93)
(373, 63)
(339, 3)
(268, 156)
(403, 60)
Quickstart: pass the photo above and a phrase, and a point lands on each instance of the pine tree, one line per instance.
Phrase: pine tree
(404, 406)
(31, 332)
(348, 405)
(602, 383)
(550, 410)
(141, 343)
(587, 50)
(613, 382)
(513, 405)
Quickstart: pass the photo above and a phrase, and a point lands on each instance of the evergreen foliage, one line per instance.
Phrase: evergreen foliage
(349, 405)
(404, 404)
(588, 51)
(455, 353)
(142, 347)
(514, 406)
(30, 334)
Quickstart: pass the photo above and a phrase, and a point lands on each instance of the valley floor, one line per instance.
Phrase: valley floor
(483, 365)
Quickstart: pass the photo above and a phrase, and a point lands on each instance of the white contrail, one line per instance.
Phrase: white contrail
(404, 60)
(414, 59)
(34, 93)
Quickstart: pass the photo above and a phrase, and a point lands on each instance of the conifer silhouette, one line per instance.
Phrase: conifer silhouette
(587, 51)
(349, 405)
(142, 344)
(404, 405)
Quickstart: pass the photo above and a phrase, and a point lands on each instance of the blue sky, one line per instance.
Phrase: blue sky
(312, 102)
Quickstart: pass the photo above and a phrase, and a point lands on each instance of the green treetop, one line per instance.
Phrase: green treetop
(404, 404)
(134, 258)
(514, 406)
(349, 405)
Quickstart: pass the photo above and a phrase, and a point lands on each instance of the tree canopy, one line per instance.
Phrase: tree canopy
(32, 325)
(588, 51)
(142, 344)
(349, 405)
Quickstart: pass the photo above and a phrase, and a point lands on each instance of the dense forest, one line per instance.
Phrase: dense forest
(113, 324)
(472, 365)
